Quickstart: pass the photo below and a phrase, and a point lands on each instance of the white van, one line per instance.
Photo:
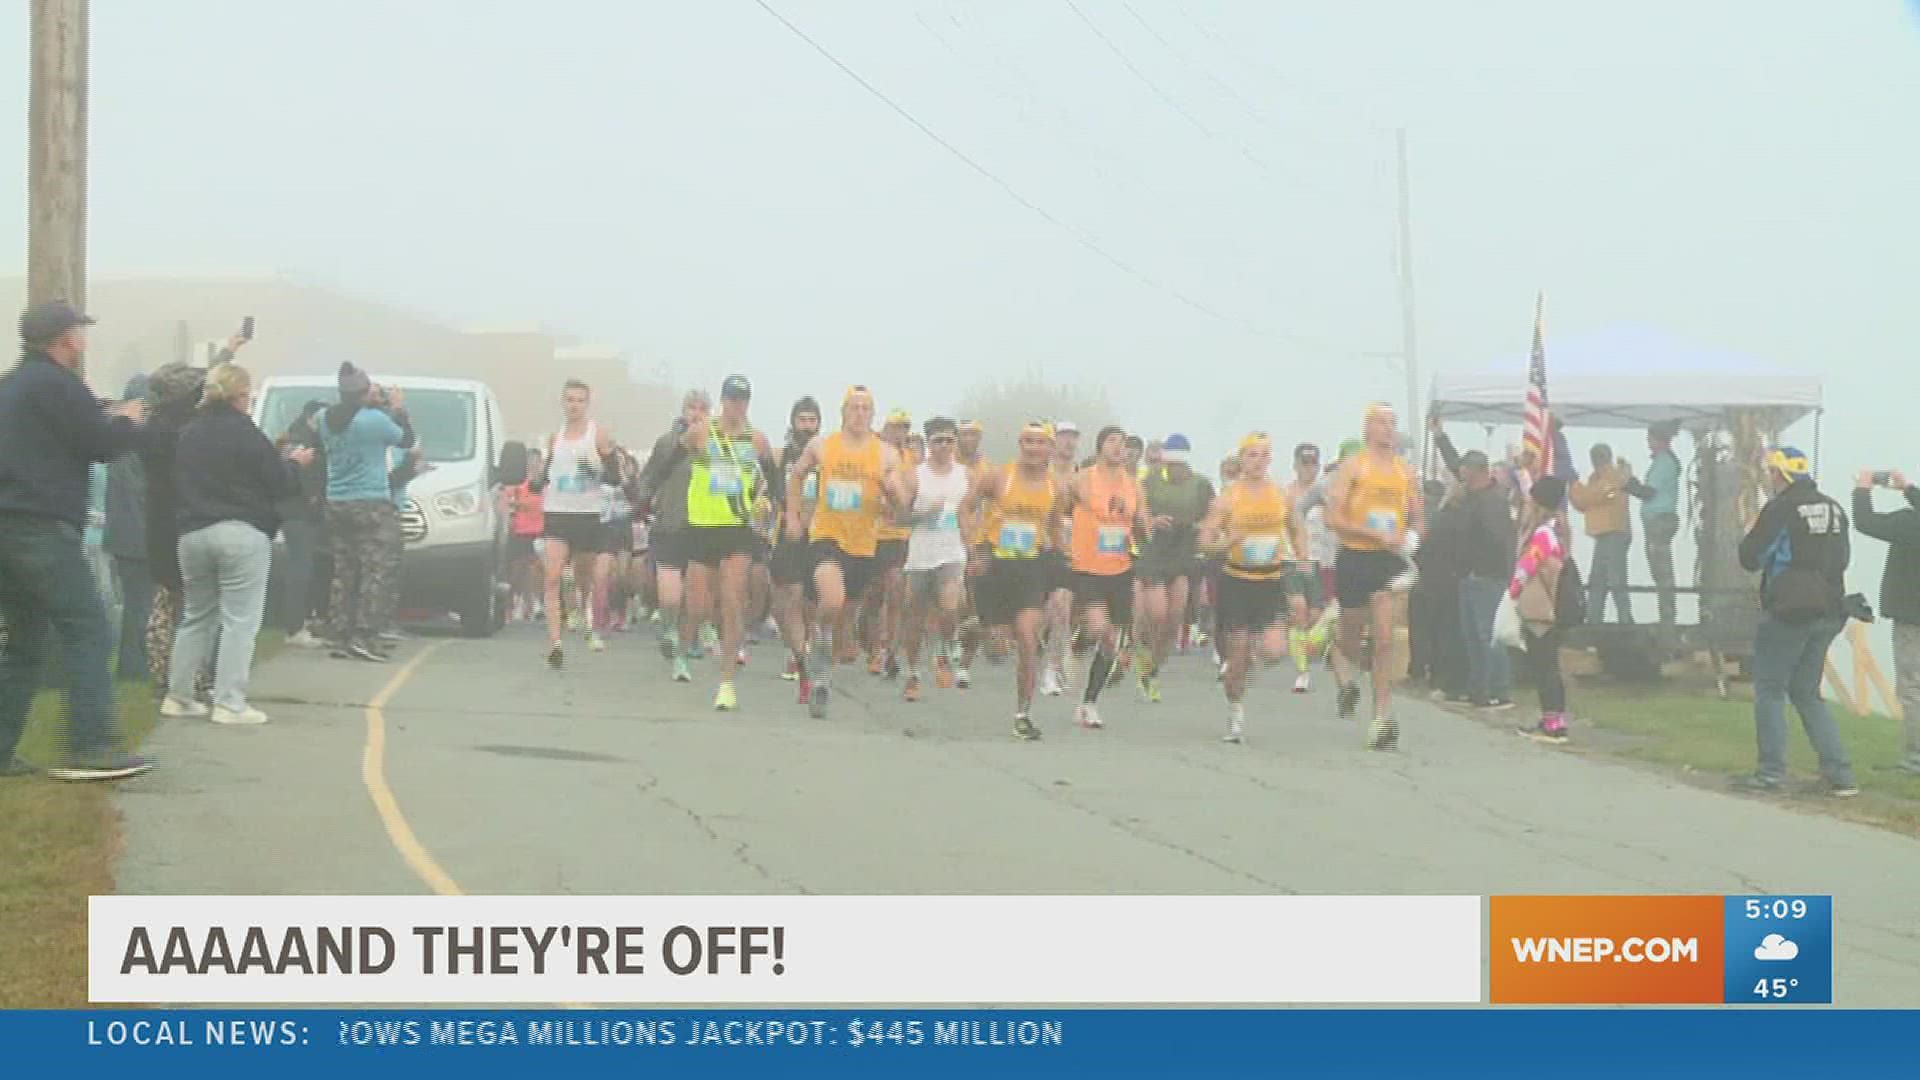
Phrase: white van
(452, 521)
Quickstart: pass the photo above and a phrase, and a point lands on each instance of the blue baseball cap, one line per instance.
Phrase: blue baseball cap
(1177, 441)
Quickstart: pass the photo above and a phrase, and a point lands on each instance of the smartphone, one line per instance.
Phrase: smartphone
(1882, 479)
(246, 328)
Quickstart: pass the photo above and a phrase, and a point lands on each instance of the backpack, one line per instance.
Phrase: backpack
(1570, 603)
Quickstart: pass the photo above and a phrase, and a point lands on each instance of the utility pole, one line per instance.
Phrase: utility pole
(1409, 349)
(57, 153)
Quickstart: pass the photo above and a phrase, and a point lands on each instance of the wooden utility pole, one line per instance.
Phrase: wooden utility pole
(1409, 348)
(57, 153)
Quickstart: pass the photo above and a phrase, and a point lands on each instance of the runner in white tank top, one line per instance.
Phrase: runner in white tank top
(936, 549)
(577, 504)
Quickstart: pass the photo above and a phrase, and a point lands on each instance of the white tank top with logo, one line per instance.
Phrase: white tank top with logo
(573, 475)
(941, 543)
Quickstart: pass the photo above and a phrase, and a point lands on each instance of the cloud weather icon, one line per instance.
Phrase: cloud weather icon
(1775, 947)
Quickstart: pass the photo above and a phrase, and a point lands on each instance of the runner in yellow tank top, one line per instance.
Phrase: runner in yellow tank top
(1109, 513)
(885, 605)
(1023, 526)
(1059, 623)
(853, 465)
(1373, 507)
(1254, 528)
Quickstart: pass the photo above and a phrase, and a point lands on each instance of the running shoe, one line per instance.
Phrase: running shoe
(1087, 716)
(696, 651)
(596, 643)
(1051, 683)
(1384, 734)
(709, 637)
(1236, 723)
(1349, 700)
(1302, 683)
(962, 678)
(725, 700)
(174, 708)
(680, 671)
(793, 670)
(943, 673)
(817, 701)
(893, 665)
(1542, 733)
(1150, 686)
(556, 657)
(1023, 728)
(876, 663)
(912, 691)
(669, 644)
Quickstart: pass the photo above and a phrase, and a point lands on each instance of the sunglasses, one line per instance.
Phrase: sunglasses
(940, 440)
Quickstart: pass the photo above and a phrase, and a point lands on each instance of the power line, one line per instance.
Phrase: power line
(1078, 235)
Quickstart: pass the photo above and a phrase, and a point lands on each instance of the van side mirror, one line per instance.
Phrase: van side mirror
(512, 469)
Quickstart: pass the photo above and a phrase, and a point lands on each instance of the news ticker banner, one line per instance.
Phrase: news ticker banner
(929, 950)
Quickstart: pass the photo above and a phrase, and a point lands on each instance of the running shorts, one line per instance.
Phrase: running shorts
(1057, 572)
(1167, 559)
(582, 533)
(890, 555)
(670, 548)
(1305, 584)
(520, 547)
(1115, 591)
(925, 585)
(1009, 587)
(709, 545)
(1249, 605)
(856, 571)
(1358, 575)
(792, 563)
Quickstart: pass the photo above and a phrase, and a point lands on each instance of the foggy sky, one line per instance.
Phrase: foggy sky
(692, 182)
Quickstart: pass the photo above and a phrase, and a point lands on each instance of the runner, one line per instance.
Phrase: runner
(1253, 526)
(730, 494)
(792, 562)
(1059, 621)
(664, 483)
(1309, 632)
(1023, 525)
(853, 465)
(1108, 512)
(886, 605)
(527, 507)
(930, 496)
(972, 633)
(578, 457)
(1374, 509)
(1179, 498)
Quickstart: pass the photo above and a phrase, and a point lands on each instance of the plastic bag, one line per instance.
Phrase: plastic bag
(1506, 624)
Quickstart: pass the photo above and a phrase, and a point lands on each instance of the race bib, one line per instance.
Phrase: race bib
(845, 496)
(1260, 551)
(1019, 538)
(723, 480)
(1112, 539)
(810, 491)
(1384, 521)
(569, 483)
(949, 520)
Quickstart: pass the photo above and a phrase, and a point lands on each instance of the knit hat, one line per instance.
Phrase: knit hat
(354, 383)
(1790, 462)
(1550, 492)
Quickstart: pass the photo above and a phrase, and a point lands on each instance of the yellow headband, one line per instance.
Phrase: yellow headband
(900, 416)
(1380, 410)
(1257, 439)
(1034, 427)
(854, 393)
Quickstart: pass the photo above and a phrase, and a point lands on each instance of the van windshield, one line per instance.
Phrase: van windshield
(443, 420)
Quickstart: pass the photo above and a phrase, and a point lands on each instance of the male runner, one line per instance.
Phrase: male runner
(974, 459)
(1059, 621)
(1373, 507)
(1108, 512)
(578, 459)
(729, 494)
(853, 465)
(1308, 632)
(1023, 525)
(664, 482)
(886, 604)
(929, 497)
(1254, 528)
(1179, 498)
(792, 561)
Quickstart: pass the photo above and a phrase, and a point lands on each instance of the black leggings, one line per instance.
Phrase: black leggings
(1543, 660)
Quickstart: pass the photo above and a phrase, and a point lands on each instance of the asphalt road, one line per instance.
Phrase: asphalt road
(608, 778)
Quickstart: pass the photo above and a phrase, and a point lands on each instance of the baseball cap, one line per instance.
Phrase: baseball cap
(1789, 461)
(43, 322)
(1065, 427)
(736, 388)
(1175, 450)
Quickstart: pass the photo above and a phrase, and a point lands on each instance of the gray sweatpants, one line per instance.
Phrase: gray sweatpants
(1906, 675)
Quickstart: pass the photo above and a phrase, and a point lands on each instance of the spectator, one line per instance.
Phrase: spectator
(1602, 497)
(1435, 649)
(1659, 496)
(1535, 586)
(52, 431)
(1799, 545)
(1486, 538)
(125, 542)
(359, 432)
(229, 481)
(303, 523)
(1899, 593)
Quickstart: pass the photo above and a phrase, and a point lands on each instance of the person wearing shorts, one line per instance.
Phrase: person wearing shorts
(664, 483)
(1108, 513)
(885, 606)
(729, 494)
(790, 564)
(572, 481)
(931, 496)
(1257, 534)
(1308, 636)
(1015, 584)
(1178, 498)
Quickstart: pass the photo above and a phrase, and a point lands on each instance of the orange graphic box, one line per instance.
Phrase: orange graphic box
(1607, 950)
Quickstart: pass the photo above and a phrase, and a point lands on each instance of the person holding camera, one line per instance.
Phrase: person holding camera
(358, 435)
(1799, 546)
(1899, 593)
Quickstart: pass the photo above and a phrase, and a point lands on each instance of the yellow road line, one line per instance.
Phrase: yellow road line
(373, 773)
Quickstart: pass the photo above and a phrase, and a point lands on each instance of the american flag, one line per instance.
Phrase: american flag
(1536, 437)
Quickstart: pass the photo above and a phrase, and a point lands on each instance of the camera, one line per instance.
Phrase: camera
(1855, 606)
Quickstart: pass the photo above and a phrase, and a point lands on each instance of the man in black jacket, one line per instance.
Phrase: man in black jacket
(1899, 592)
(1487, 549)
(1799, 545)
(52, 430)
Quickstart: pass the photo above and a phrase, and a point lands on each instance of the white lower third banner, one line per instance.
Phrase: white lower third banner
(784, 950)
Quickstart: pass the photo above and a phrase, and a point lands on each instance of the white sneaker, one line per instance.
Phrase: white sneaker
(1087, 716)
(248, 715)
(1051, 684)
(962, 678)
(305, 640)
(596, 643)
(177, 709)
(1302, 683)
(1236, 723)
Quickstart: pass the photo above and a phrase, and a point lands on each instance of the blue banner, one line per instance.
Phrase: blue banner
(1562, 1044)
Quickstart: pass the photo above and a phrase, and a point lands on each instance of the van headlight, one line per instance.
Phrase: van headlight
(460, 502)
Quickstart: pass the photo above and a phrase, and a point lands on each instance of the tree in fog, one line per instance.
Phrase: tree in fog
(1004, 407)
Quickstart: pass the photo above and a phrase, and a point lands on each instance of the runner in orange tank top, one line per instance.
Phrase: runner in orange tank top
(1109, 512)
